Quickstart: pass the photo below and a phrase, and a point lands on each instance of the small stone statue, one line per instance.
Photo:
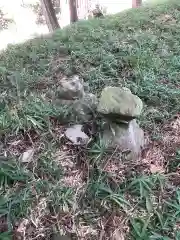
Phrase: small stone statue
(97, 12)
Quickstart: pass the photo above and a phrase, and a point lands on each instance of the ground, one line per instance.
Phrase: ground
(89, 193)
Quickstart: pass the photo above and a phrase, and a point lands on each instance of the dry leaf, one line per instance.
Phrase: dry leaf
(156, 169)
(15, 143)
(118, 235)
(27, 156)
(22, 226)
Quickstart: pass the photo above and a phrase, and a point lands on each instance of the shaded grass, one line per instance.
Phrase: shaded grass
(138, 49)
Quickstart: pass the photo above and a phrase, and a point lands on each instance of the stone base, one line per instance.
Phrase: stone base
(129, 138)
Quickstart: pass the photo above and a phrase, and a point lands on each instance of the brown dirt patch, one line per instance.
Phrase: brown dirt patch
(161, 151)
(166, 18)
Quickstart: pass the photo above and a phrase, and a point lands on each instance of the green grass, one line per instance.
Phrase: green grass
(138, 49)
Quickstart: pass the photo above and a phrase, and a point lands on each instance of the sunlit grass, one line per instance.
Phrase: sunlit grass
(92, 190)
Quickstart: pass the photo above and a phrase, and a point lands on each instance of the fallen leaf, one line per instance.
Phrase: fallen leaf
(118, 235)
(27, 156)
(15, 143)
(156, 169)
(22, 226)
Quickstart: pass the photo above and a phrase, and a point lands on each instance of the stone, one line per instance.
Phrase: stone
(27, 156)
(85, 107)
(81, 110)
(118, 103)
(63, 103)
(127, 137)
(76, 135)
(70, 88)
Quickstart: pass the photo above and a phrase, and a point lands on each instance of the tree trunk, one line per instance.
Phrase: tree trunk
(50, 15)
(73, 11)
(136, 3)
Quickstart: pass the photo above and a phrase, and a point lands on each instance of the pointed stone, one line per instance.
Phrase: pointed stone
(127, 137)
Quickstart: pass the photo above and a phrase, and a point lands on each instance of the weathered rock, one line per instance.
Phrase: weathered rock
(76, 135)
(70, 88)
(127, 137)
(118, 103)
(63, 103)
(84, 108)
